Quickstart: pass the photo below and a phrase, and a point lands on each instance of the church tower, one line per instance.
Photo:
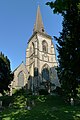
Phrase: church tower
(40, 56)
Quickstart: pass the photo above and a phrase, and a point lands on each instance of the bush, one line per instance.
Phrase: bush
(20, 92)
(29, 92)
(58, 90)
(43, 92)
(6, 100)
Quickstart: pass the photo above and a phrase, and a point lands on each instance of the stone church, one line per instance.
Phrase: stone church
(40, 60)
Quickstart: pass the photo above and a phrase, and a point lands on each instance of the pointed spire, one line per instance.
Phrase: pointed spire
(38, 26)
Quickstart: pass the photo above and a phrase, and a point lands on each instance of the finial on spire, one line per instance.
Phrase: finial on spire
(38, 24)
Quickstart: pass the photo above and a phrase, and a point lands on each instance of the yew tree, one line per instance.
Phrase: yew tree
(68, 45)
(6, 75)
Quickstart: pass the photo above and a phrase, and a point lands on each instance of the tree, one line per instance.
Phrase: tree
(68, 45)
(5, 74)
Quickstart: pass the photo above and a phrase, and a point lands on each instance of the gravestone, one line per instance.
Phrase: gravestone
(0, 105)
(33, 104)
(72, 101)
(28, 104)
(28, 108)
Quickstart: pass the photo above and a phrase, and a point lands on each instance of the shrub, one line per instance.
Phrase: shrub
(43, 92)
(6, 100)
(58, 90)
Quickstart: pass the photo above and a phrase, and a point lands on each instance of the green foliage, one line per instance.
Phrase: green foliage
(46, 108)
(58, 91)
(61, 6)
(68, 45)
(6, 100)
(41, 98)
(43, 92)
(5, 74)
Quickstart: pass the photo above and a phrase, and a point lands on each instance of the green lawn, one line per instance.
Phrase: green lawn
(46, 108)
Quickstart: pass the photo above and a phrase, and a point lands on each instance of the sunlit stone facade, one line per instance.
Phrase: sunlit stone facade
(40, 59)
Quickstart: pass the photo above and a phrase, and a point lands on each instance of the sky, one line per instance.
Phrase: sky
(17, 18)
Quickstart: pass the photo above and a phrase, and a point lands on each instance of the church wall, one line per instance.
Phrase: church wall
(29, 50)
(39, 58)
(48, 57)
(49, 41)
(21, 68)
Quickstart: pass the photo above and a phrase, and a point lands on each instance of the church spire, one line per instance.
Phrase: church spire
(38, 26)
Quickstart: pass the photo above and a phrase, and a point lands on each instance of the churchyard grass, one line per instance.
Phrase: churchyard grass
(45, 108)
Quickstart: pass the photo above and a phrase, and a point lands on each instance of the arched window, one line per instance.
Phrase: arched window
(21, 79)
(45, 46)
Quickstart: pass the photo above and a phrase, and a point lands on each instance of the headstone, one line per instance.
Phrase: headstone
(72, 101)
(36, 93)
(28, 104)
(0, 94)
(28, 108)
(49, 90)
(10, 93)
(33, 104)
(10, 104)
(0, 106)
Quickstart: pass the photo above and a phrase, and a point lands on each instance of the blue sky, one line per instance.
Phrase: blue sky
(17, 18)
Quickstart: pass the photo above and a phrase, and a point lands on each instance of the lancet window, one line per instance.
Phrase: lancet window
(45, 46)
